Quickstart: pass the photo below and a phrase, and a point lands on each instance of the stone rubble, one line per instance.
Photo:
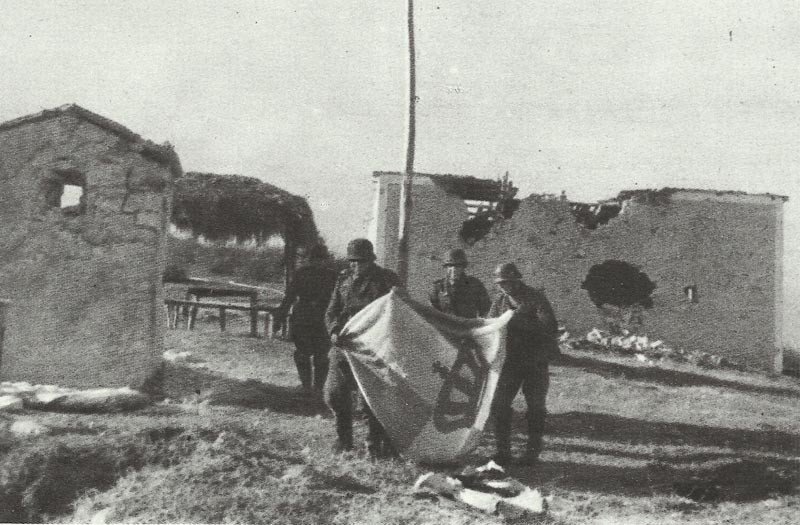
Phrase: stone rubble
(10, 403)
(643, 349)
(183, 358)
(27, 427)
(21, 394)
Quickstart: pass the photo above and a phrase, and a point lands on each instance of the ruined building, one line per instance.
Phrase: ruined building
(715, 257)
(84, 207)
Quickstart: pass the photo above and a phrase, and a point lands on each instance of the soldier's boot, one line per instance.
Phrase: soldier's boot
(388, 451)
(532, 451)
(303, 364)
(344, 434)
(502, 435)
(536, 427)
(503, 455)
(375, 436)
(321, 366)
(381, 448)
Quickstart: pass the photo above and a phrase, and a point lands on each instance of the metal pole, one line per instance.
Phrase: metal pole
(408, 175)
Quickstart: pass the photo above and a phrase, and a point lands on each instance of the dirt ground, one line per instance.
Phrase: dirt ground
(235, 440)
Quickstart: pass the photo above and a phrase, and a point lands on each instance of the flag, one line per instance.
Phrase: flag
(428, 377)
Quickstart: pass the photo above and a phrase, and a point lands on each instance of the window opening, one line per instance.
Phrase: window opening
(66, 190)
(71, 196)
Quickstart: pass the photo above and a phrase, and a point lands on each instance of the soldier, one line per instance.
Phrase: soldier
(458, 293)
(355, 288)
(530, 345)
(309, 292)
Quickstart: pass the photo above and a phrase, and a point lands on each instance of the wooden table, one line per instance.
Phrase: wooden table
(201, 292)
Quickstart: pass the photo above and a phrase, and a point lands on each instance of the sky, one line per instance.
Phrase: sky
(591, 96)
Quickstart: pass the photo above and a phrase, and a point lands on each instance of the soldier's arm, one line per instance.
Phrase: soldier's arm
(394, 279)
(334, 310)
(387, 280)
(434, 296)
(288, 299)
(546, 316)
(538, 314)
(494, 309)
(484, 302)
(331, 277)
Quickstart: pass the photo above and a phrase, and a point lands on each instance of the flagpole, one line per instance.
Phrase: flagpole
(408, 174)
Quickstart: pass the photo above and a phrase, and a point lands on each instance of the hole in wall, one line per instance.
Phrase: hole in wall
(618, 283)
(71, 196)
(66, 190)
(591, 216)
(478, 225)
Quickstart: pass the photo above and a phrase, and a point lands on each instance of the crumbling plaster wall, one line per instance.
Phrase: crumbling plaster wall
(85, 290)
(727, 246)
(436, 220)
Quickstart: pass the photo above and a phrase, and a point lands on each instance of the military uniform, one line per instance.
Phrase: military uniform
(351, 294)
(530, 345)
(465, 297)
(309, 292)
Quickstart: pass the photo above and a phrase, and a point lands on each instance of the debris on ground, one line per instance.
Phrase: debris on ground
(62, 399)
(185, 358)
(643, 349)
(9, 403)
(27, 427)
(486, 488)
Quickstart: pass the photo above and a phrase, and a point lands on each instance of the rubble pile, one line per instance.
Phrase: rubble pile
(183, 358)
(20, 395)
(644, 349)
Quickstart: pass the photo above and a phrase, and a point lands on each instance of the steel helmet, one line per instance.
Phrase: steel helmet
(506, 272)
(455, 257)
(360, 250)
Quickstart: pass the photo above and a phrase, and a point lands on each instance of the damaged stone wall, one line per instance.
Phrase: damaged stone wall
(727, 245)
(84, 284)
(436, 220)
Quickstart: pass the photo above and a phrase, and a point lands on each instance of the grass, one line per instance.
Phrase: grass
(235, 441)
(249, 264)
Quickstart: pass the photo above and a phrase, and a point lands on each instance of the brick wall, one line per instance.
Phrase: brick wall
(85, 289)
(728, 245)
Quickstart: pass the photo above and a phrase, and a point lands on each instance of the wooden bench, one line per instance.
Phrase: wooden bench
(174, 308)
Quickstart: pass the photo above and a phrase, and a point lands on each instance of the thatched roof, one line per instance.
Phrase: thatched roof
(222, 207)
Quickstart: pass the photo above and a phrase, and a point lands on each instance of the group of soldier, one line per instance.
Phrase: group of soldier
(322, 302)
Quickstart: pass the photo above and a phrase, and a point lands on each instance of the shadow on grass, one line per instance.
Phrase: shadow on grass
(668, 377)
(608, 427)
(740, 481)
(339, 483)
(701, 476)
(697, 457)
(197, 384)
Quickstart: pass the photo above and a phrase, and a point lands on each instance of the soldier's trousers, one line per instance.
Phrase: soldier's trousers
(534, 380)
(311, 357)
(339, 389)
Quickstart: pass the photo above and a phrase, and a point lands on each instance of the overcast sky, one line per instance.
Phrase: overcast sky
(591, 96)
